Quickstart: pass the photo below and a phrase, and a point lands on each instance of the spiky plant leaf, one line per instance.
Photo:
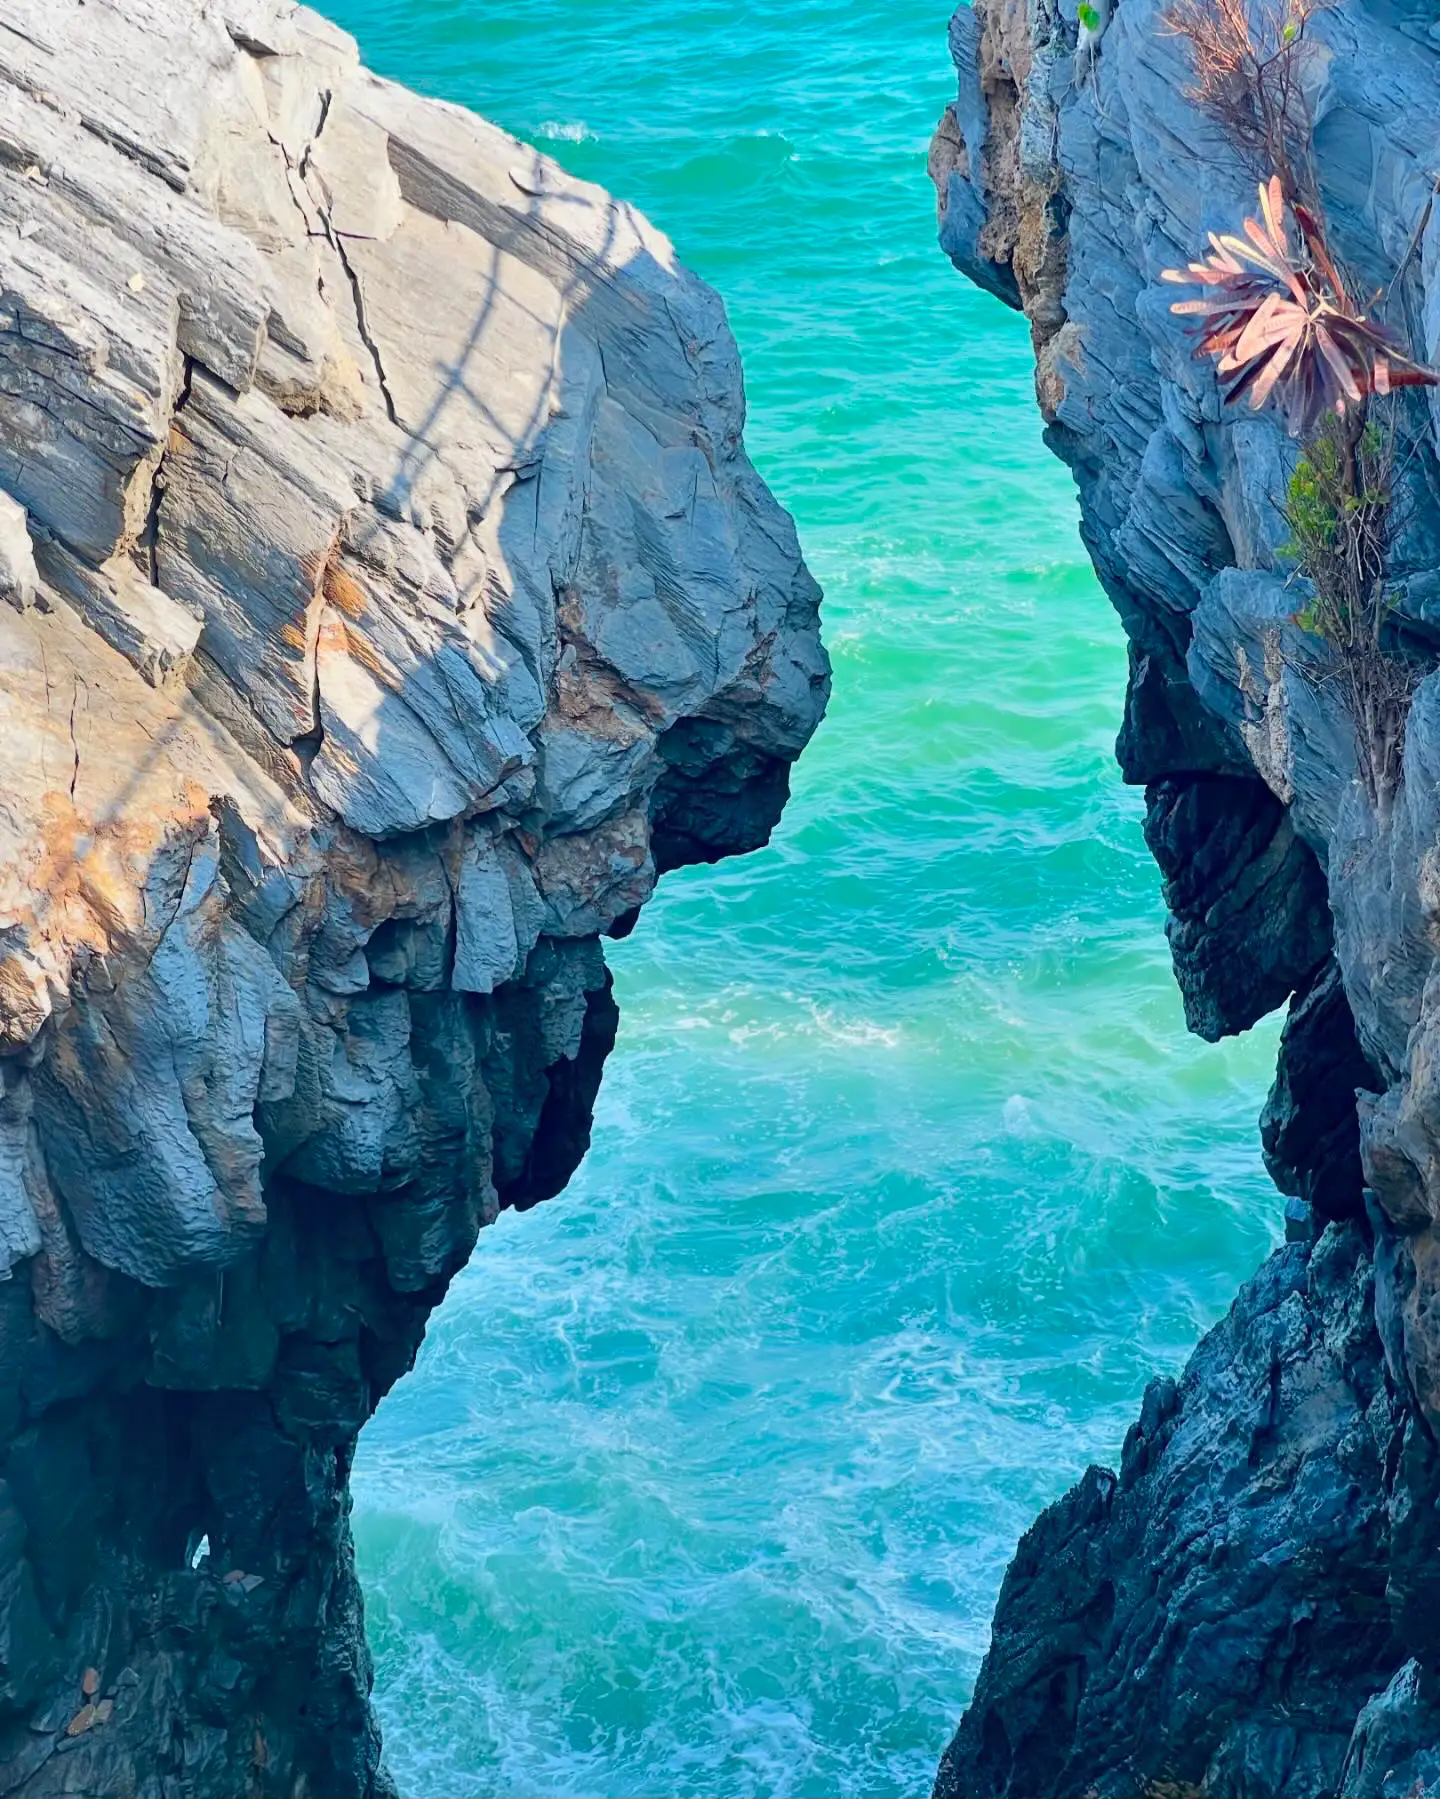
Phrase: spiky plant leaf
(1281, 325)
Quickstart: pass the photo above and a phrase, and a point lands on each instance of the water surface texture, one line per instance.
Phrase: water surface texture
(905, 1176)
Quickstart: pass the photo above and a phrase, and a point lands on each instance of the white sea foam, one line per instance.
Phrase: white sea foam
(567, 131)
(855, 1033)
(1017, 1116)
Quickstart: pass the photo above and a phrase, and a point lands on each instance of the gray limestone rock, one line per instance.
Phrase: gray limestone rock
(18, 575)
(1258, 1584)
(1213, 1618)
(390, 598)
(1393, 1753)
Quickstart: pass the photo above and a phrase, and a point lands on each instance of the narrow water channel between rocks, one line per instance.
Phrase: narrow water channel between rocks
(905, 1176)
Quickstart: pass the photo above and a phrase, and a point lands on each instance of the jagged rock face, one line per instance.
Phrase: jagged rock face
(1251, 1607)
(1137, 1612)
(387, 597)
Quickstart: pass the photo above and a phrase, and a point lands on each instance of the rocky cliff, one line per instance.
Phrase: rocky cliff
(1251, 1605)
(387, 600)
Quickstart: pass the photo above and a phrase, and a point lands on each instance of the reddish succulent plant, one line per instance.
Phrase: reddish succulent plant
(1282, 325)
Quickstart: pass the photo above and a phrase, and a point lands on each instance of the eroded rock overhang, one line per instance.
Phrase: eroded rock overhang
(385, 597)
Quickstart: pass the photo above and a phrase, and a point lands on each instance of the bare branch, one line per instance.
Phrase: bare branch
(1249, 62)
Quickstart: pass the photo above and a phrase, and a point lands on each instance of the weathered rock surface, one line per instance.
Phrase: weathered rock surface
(1144, 1634)
(389, 597)
(1251, 1607)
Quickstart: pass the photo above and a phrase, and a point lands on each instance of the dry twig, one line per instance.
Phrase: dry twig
(1249, 63)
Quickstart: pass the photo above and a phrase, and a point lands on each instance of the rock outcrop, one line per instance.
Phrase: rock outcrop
(1250, 1606)
(385, 599)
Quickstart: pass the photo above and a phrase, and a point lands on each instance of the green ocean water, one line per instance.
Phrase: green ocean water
(905, 1176)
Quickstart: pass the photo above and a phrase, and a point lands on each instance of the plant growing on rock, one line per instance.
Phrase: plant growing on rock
(1249, 62)
(1284, 329)
(1282, 325)
(1339, 508)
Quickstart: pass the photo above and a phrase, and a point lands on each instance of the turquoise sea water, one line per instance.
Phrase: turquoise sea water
(905, 1176)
